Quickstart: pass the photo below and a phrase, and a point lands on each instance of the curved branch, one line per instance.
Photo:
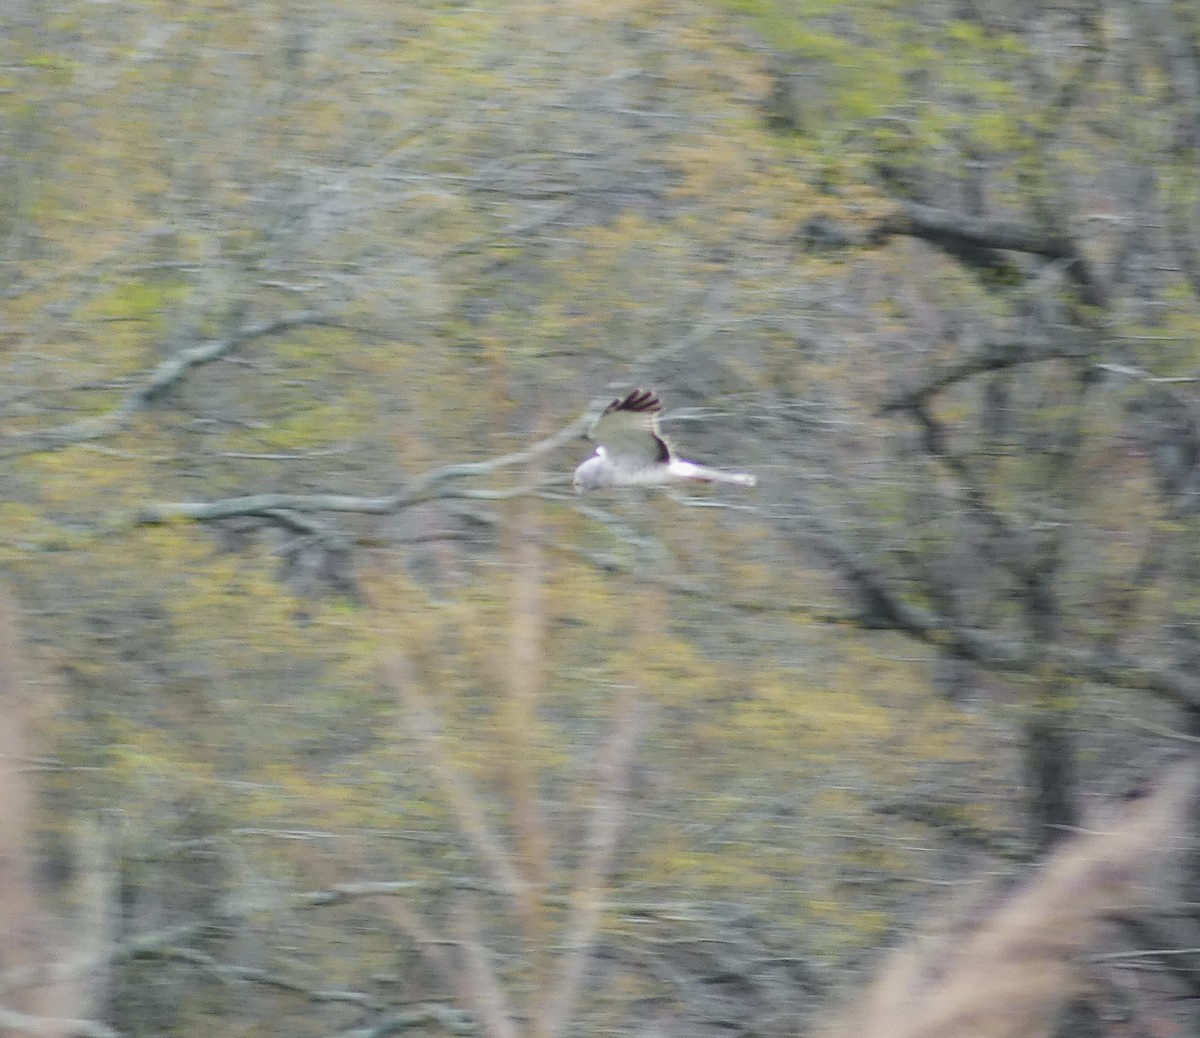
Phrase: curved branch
(993, 651)
(430, 486)
(1014, 549)
(14, 1022)
(993, 356)
(160, 381)
(985, 648)
(272, 506)
(603, 830)
(230, 973)
(942, 226)
(452, 1021)
(954, 231)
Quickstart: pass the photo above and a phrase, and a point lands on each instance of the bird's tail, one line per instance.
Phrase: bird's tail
(703, 474)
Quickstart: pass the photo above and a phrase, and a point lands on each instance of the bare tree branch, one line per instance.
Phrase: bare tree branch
(1170, 39)
(462, 798)
(996, 355)
(143, 945)
(22, 947)
(428, 487)
(1014, 552)
(95, 927)
(1165, 942)
(954, 230)
(483, 988)
(343, 892)
(1105, 666)
(982, 647)
(1072, 89)
(940, 225)
(231, 973)
(432, 945)
(604, 826)
(14, 1023)
(1010, 973)
(453, 1021)
(525, 666)
(276, 505)
(159, 382)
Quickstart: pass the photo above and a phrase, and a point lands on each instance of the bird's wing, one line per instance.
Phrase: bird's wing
(627, 429)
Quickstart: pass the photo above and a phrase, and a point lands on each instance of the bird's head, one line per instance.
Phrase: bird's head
(590, 474)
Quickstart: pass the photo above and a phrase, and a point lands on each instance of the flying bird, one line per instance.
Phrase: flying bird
(631, 451)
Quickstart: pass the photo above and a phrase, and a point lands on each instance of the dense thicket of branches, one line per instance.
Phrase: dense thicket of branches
(339, 713)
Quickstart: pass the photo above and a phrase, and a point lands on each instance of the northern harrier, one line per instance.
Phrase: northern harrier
(631, 452)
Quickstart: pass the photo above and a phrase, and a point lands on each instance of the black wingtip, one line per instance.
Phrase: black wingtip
(640, 401)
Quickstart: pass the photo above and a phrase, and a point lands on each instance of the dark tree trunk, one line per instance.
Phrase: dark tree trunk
(1050, 777)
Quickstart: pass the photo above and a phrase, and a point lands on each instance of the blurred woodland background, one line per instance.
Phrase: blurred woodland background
(335, 712)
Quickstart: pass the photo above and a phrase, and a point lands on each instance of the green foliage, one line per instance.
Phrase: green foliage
(507, 209)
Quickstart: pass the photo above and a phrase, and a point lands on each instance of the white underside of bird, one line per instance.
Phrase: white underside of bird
(632, 452)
